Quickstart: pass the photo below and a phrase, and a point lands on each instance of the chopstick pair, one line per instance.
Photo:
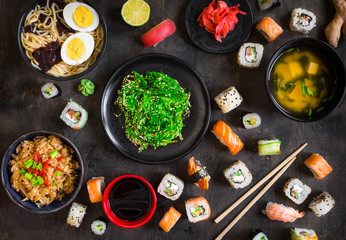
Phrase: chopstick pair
(280, 169)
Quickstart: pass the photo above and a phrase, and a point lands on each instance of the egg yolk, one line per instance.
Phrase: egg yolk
(83, 17)
(75, 49)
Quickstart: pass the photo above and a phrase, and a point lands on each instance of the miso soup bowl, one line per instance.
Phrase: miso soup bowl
(123, 223)
(335, 61)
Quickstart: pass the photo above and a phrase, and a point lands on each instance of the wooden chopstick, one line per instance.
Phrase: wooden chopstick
(253, 201)
(263, 180)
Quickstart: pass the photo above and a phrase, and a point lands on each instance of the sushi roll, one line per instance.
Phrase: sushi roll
(228, 99)
(250, 55)
(259, 235)
(227, 137)
(98, 227)
(251, 120)
(158, 33)
(269, 147)
(197, 209)
(269, 29)
(49, 90)
(76, 214)
(318, 166)
(95, 188)
(322, 204)
(302, 20)
(199, 173)
(238, 175)
(74, 115)
(297, 191)
(280, 212)
(171, 187)
(169, 219)
(303, 234)
(266, 4)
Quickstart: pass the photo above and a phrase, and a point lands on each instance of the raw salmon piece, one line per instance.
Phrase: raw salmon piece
(282, 213)
(203, 178)
(158, 33)
(227, 137)
(169, 219)
(318, 166)
(269, 28)
(95, 187)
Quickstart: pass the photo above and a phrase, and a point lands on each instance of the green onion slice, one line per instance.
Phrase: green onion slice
(53, 154)
(28, 163)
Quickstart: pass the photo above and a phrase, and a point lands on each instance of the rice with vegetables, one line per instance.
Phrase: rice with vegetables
(43, 170)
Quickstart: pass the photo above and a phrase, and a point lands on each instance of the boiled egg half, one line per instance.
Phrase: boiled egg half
(81, 17)
(77, 48)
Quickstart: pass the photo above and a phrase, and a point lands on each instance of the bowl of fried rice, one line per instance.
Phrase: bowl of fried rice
(42, 171)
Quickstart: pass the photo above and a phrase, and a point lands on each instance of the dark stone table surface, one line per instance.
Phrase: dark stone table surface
(24, 109)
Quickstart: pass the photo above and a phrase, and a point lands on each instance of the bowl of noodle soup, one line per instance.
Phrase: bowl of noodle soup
(63, 174)
(42, 26)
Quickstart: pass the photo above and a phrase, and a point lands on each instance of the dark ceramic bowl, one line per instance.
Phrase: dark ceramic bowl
(336, 64)
(16, 197)
(46, 75)
(127, 223)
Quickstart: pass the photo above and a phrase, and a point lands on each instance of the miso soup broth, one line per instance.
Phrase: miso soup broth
(302, 81)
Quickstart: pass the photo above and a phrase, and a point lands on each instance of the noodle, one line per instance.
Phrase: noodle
(47, 32)
(57, 185)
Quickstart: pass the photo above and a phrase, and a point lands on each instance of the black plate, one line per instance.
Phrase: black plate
(195, 125)
(206, 40)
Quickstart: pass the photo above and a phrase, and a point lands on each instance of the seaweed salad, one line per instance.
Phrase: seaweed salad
(154, 107)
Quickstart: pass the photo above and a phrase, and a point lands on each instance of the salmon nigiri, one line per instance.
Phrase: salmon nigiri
(282, 213)
(227, 137)
(269, 29)
(169, 219)
(318, 166)
(95, 187)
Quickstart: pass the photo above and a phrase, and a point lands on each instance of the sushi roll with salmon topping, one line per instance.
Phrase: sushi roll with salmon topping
(199, 173)
(169, 219)
(158, 33)
(322, 204)
(227, 137)
(250, 55)
(171, 187)
(318, 166)
(95, 188)
(269, 29)
(280, 212)
(197, 209)
(76, 214)
(228, 99)
(303, 234)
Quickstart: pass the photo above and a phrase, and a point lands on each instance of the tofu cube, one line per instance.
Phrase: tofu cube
(312, 69)
(295, 69)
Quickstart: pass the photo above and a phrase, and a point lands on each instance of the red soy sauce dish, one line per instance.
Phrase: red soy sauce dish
(129, 201)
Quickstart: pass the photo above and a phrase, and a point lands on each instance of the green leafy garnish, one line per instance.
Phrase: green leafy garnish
(154, 107)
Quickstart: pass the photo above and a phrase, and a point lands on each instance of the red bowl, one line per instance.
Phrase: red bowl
(123, 223)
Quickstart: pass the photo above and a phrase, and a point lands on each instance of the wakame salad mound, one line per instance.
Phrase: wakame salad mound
(154, 107)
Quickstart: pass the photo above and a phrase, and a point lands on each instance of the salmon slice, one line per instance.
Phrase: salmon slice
(318, 166)
(95, 187)
(194, 166)
(169, 219)
(269, 28)
(227, 137)
(158, 33)
(282, 213)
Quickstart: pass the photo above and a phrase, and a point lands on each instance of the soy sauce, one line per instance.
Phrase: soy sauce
(130, 199)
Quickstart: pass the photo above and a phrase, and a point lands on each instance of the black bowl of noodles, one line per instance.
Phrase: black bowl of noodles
(68, 162)
(41, 33)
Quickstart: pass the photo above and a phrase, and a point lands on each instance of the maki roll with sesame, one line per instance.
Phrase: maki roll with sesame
(250, 55)
(297, 191)
(238, 175)
(49, 90)
(228, 99)
(74, 115)
(171, 187)
(76, 214)
(302, 20)
(322, 204)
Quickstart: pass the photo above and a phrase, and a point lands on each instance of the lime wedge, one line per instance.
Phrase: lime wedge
(135, 12)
